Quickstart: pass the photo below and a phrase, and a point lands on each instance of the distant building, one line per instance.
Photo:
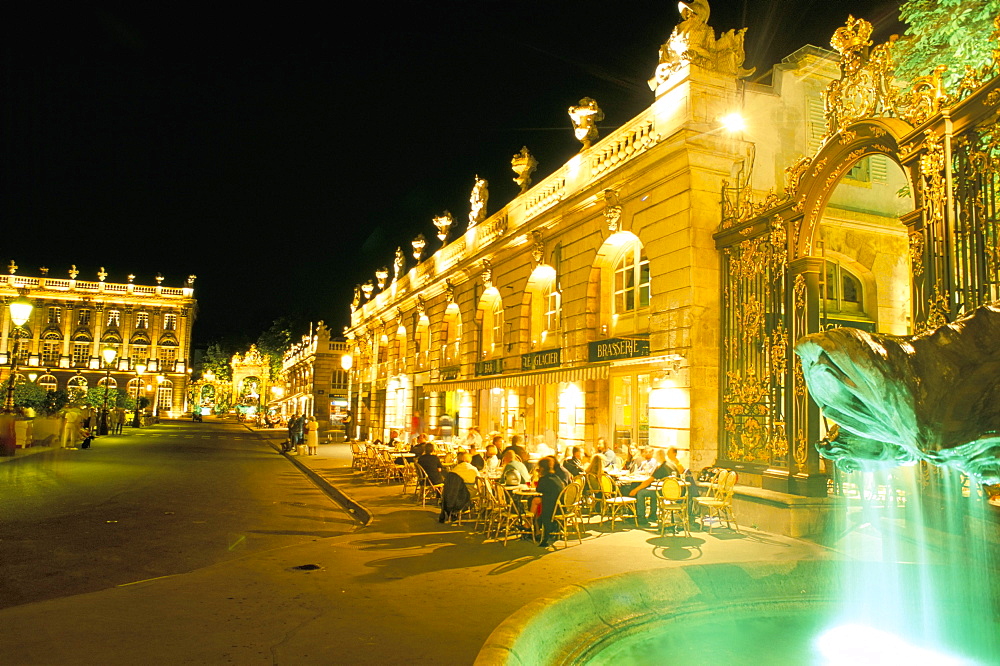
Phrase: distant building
(314, 382)
(73, 321)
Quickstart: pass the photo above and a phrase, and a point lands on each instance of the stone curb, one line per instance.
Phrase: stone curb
(358, 511)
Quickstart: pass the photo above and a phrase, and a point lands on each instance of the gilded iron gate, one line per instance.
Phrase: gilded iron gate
(948, 146)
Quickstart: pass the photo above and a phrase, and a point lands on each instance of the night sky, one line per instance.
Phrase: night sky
(282, 155)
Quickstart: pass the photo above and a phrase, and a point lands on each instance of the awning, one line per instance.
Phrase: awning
(596, 371)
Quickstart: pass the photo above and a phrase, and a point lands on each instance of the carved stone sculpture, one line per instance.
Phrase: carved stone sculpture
(398, 264)
(356, 301)
(382, 274)
(368, 288)
(612, 211)
(477, 201)
(693, 42)
(443, 224)
(523, 164)
(933, 396)
(585, 117)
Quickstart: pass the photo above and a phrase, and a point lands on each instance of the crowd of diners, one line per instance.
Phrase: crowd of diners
(511, 463)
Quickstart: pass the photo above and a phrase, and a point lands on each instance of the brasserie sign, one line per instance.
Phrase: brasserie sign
(549, 358)
(450, 373)
(617, 348)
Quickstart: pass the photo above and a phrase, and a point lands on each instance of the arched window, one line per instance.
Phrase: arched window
(625, 286)
(452, 335)
(48, 382)
(134, 387)
(399, 350)
(545, 307)
(491, 312)
(842, 290)
(51, 348)
(111, 382)
(422, 342)
(77, 388)
(164, 396)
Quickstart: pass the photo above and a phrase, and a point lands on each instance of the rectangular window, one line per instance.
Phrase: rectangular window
(553, 311)
(84, 318)
(142, 320)
(55, 315)
(170, 322)
(81, 353)
(51, 351)
(114, 318)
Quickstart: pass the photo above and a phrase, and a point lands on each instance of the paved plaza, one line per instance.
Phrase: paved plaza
(403, 590)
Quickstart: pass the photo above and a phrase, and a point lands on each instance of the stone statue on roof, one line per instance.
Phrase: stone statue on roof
(693, 42)
(480, 195)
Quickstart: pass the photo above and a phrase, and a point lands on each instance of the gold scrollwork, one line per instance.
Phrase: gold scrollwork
(819, 167)
(938, 311)
(794, 173)
(847, 137)
(779, 350)
(865, 85)
(799, 292)
(752, 319)
(917, 253)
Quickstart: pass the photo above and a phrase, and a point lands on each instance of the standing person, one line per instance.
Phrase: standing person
(290, 443)
(549, 485)
(119, 420)
(444, 425)
(312, 435)
(300, 429)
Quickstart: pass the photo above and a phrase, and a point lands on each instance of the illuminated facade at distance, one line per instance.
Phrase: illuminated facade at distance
(312, 380)
(73, 321)
(591, 304)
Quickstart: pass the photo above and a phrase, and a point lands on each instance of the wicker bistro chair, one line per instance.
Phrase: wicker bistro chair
(359, 460)
(672, 499)
(720, 504)
(569, 512)
(373, 464)
(425, 489)
(507, 515)
(483, 504)
(614, 504)
(409, 475)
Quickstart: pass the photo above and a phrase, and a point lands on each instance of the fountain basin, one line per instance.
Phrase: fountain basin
(756, 612)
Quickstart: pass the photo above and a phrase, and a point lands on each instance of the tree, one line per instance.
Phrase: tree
(275, 341)
(28, 395)
(216, 360)
(945, 32)
(116, 398)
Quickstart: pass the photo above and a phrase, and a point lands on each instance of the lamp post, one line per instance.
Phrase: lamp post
(109, 354)
(347, 362)
(20, 311)
(139, 369)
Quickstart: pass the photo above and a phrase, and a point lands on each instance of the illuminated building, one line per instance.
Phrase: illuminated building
(314, 382)
(74, 320)
(591, 304)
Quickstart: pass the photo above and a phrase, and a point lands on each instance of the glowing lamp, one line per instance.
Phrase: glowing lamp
(733, 122)
(20, 310)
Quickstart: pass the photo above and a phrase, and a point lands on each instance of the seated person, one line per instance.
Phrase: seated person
(574, 464)
(432, 465)
(515, 446)
(418, 446)
(465, 469)
(476, 458)
(608, 453)
(645, 465)
(514, 472)
(675, 464)
(491, 462)
(645, 492)
(549, 485)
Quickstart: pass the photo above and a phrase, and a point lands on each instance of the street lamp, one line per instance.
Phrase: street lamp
(108, 353)
(347, 362)
(139, 369)
(20, 311)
